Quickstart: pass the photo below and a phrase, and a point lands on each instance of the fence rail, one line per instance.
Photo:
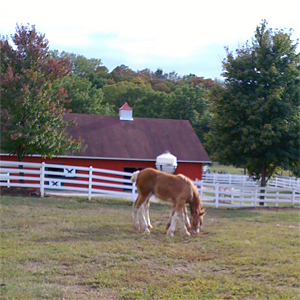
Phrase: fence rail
(217, 191)
(214, 178)
(225, 195)
(244, 180)
(55, 177)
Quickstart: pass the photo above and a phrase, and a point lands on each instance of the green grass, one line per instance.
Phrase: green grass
(63, 248)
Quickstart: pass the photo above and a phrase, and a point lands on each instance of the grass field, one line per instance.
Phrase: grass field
(63, 248)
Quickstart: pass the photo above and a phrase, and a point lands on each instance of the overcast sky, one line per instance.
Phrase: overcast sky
(185, 36)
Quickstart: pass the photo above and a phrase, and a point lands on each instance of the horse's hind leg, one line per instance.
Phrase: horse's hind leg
(139, 221)
(135, 218)
(147, 216)
(142, 219)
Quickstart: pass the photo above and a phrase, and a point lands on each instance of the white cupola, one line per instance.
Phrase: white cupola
(166, 162)
(125, 113)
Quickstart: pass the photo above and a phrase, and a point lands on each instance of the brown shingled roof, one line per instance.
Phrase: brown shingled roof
(140, 139)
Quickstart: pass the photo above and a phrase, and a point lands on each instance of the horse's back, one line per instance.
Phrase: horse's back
(146, 180)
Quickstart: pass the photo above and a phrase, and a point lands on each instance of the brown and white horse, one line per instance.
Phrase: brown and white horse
(177, 189)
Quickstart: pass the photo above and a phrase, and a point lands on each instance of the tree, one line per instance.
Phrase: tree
(123, 91)
(84, 98)
(256, 115)
(91, 69)
(32, 118)
(152, 105)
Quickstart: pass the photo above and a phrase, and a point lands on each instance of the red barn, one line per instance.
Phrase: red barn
(125, 144)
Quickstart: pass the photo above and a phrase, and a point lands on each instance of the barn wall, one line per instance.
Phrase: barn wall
(192, 170)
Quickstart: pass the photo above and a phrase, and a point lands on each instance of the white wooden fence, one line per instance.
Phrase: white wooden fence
(55, 177)
(214, 178)
(234, 192)
(285, 182)
(225, 195)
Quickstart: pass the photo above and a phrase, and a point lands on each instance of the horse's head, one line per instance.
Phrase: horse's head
(197, 219)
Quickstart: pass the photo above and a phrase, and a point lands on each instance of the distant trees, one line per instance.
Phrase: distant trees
(92, 89)
(256, 115)
(32, 111)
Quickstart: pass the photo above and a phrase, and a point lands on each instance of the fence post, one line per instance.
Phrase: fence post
(255, 196)
(133, 191)
(293, 196)
(90, 182)
(42, 180)
(232, 197)
(8, 181)
(200, 186)
(217, 195)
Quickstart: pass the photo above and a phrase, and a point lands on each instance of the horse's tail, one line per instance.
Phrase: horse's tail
(135, 176)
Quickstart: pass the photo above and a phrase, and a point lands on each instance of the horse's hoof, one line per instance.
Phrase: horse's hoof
(147, 231)
(136, 227)
(196, 231)
(150, 226)
(170, 233)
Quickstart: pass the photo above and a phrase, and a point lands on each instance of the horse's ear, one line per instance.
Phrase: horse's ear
(202, 212)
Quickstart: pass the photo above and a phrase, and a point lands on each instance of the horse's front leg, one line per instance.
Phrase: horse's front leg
(173, 222)
(183, 217)
(171, 215)
(186, 218)
(183, 220)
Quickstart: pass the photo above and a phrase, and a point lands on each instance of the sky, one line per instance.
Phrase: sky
(182, 36)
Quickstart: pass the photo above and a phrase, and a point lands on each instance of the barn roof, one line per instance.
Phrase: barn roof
(140, 139)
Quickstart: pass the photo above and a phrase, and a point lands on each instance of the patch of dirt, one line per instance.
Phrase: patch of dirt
(20, 192)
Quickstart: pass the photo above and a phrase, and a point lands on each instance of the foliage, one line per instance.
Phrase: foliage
(83, 97)
(32, 115)
(124, 91)
(189, 102)
(256, 116)
(60, 248)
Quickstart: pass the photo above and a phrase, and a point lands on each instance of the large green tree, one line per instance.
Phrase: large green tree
(256, 115)
(32, 112)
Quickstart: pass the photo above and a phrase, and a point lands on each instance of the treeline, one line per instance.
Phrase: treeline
(92, 89)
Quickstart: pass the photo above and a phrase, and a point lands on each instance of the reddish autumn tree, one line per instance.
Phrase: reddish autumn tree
(32, 112)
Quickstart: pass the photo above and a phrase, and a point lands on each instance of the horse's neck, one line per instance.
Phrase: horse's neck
(194, 203)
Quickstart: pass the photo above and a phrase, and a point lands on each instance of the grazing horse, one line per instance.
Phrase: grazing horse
(177, 189)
